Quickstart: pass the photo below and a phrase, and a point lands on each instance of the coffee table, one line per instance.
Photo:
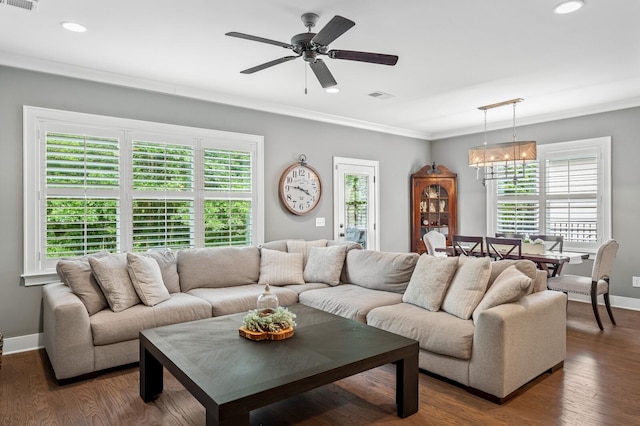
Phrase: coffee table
(230, 375)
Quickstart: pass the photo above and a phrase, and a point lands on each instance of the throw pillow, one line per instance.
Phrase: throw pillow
(525, 266)
(113, 278)
(325, 264)
(76, 274)
(146, 278)
(280, 268)
(468, 286)
(510, 286)
(304, 247)
(429, 281)
(168, 263)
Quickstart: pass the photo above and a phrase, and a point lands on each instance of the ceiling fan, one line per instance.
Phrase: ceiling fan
(310, 45)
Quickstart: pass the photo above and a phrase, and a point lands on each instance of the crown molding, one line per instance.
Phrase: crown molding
(84, 73)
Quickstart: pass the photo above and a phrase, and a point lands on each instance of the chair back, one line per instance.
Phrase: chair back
(474, 247)
(603, 264)
(434, 240)
(557, 241)
(508, 235)
(504, 248)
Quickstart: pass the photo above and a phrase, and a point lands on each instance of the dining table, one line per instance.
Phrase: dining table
(551, 261)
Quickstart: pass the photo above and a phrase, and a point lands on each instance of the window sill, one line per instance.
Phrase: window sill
(41, 278)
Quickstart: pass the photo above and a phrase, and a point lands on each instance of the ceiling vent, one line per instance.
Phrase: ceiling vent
(381, 95)
(31, 5)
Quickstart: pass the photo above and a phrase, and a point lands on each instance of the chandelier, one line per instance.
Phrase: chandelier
(503, 160)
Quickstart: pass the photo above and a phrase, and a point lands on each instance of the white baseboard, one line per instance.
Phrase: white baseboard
(616, 301)
(31, 342)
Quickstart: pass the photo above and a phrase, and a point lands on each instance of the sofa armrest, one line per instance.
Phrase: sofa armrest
(67, 332)
(515, 342)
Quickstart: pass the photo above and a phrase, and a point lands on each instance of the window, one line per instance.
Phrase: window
(566, 192)
(97, 183)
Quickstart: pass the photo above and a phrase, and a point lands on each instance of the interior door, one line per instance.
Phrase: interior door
(356, 209)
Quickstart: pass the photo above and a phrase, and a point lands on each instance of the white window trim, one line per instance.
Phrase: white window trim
(34, 120)
(603, 147)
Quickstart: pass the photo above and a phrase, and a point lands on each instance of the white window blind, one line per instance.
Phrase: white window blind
(566, 192)
(572, 198)
(227, 211)
(97, 183)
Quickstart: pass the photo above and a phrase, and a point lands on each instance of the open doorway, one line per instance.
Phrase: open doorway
(356, 193)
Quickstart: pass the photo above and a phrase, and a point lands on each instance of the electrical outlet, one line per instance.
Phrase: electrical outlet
(635, 281)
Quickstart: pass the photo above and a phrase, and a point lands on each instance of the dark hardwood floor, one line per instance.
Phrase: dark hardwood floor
(599, 385)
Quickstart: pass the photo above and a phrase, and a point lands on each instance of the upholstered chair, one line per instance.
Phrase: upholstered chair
(595, 285)
(435, 240)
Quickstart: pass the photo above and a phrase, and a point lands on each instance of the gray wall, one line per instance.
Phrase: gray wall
(285, 138)
(624, 128)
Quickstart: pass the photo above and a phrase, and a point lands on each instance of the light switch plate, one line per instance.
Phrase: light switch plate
(635, 281)
(319, 221)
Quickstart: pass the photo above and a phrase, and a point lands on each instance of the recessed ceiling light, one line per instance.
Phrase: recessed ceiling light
(568, 6)
(332, 90)
(73, 26)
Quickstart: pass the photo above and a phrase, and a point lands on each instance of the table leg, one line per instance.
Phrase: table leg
(218, 417)
(407, 385)
(151, 381)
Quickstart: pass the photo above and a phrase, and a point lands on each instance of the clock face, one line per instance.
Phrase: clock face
(300, 188)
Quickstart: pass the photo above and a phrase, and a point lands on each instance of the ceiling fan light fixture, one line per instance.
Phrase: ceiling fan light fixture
(332, 90)
(568, 7)
(73, 27)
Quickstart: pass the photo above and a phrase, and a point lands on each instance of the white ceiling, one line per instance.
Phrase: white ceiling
(454, 56)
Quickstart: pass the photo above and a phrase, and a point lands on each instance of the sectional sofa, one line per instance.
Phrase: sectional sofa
(490, 326)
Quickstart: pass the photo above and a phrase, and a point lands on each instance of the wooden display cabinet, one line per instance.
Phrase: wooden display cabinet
(434, 204)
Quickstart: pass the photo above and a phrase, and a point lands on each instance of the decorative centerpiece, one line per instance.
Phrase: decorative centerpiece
(269, 321)
(532, 247)
(271, 324)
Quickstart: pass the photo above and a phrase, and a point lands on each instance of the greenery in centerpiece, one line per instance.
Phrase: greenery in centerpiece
(269, 320)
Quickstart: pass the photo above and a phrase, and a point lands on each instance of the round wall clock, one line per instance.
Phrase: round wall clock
(300, 188)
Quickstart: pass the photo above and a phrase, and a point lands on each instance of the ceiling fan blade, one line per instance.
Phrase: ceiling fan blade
(334, 29)
(260, 39)
(322, 73)
(374, 58)
(268, 64)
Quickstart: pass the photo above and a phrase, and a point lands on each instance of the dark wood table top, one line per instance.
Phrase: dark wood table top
(213, 361)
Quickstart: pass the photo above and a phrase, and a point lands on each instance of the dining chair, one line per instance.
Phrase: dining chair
(474, 245)
(435, 240)
(595, 285)
(557, 241)
(508, 235)
(504, 248)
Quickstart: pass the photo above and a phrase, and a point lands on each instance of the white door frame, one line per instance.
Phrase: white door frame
(374, 223)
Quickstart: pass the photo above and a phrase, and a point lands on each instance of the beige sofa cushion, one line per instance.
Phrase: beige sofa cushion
(380, 270)
(348, 300)
(76, 274)
(325, 264)
(113, 277)
(437, 332)
(146, 278)
(231, 300)
(429, 281)
(510, 286)
(468, 286)
(218, 267)
(110, 327)
(304, 247)
(280, 268)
